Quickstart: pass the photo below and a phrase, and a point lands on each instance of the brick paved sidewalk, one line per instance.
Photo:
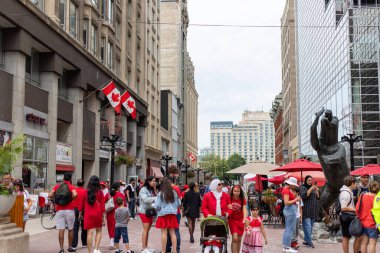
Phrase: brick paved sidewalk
(47, 242)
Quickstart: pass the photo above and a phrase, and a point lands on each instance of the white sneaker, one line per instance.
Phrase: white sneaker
(145, 251)
(289, 250)
(151, 250)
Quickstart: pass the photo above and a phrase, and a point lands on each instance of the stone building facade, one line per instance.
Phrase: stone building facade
(53, 55)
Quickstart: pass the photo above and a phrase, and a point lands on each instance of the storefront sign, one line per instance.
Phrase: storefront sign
(64, 153)
(35, 119)
(104, 154)
(33, 209)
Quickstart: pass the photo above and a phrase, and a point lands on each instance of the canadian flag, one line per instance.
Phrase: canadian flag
(192, 157)
(129, 103)
(113, 95)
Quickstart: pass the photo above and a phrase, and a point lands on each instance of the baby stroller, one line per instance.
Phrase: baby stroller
(214, 228)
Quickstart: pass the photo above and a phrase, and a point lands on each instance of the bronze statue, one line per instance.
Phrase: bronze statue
(332, 156)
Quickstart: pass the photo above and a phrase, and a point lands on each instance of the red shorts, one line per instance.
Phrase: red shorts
(167, 221)
(145, 219)
(236, 227)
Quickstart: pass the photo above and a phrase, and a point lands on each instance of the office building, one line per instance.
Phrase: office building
(338, 69)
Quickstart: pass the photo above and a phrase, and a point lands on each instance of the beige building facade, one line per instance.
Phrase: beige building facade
(289, 83)
(54, 67)
(177, 75)
(153, 152)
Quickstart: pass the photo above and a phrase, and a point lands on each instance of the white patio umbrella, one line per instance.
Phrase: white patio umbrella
(257, 167)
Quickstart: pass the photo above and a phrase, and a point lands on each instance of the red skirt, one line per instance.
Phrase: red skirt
(145, 219)
(236, 226)
(167, 221)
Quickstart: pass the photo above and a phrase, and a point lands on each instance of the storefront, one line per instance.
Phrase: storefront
(35, 163)
(104, 157)
(64, 161)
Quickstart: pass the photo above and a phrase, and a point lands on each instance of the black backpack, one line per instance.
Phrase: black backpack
(338, 207)
(63, 195)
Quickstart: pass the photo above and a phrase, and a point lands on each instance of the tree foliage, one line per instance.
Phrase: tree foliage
(215, 165)
(235, 161)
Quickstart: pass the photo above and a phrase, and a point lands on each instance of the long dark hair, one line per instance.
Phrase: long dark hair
(191, 186)
(92, 189)
(241, 195)
(147, 185)
(166, 191)
(114, 188)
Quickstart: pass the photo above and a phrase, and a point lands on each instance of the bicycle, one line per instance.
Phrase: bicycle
(48, 220)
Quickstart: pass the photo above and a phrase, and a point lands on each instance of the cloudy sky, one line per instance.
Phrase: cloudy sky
(235, 68)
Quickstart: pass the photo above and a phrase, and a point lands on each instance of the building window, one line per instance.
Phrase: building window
(110, 11)
(1, 49)
(94, 39)
(62, 85)
(129, 10)
(152, 136)
(32, 69)
(109, 55)
(39, 3)
(73, 17)
(102, 49)
(35, 153)
(117, 30)
(62, 11)
(85, 33)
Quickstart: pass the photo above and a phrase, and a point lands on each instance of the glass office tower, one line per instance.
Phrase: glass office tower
(338, 46)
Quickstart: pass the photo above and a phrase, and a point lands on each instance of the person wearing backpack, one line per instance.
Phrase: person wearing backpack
(63, 195)
(362, 187)
(348, 212)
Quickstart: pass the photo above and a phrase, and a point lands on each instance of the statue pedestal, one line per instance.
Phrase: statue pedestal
(12, 238)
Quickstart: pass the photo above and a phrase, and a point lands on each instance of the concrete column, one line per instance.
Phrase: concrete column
(141, 155)
(123, 172)
(93, 104)
(15, 64)
(76, 130)
(49, 82)
(132, 127)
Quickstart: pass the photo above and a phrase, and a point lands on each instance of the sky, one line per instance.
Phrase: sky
(235, 68)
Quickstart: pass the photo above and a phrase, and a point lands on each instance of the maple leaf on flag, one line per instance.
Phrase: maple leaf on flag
(115, 97)
(131, 104)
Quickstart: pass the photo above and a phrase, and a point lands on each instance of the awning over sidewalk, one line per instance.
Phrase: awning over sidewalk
(157, 172)
(69, 168)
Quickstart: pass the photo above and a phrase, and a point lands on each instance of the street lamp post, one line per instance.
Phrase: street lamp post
(114, 140)
(166, 158)
(198, 170)
(351, 139)
(204, 176)
(186, 165)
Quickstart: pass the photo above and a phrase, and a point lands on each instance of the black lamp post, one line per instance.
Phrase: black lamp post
(186, 165)
(204, 176)
(166, 158)
(198, 170)
(115, 141)
(351, 139)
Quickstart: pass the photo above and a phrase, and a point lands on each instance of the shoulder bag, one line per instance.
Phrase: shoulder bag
(151, 211)
(356, 227)
(110, 205)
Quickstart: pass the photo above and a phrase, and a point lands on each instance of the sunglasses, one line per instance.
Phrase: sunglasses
(220, 184)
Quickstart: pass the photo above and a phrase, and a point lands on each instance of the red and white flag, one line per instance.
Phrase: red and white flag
(129, 103)
(192, 157)
(113, 95)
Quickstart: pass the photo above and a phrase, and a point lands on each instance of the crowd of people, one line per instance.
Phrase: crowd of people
(86, 210)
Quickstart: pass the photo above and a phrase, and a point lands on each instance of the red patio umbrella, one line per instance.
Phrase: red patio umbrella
(255, 179)
(277, 179)
(370, 169)
(300, 165)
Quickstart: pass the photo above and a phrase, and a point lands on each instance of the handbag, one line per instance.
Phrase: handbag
(110, 205)
(150, 212)
(356, 227)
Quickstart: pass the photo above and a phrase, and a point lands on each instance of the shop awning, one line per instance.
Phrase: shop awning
(69, 168)
(157, 172)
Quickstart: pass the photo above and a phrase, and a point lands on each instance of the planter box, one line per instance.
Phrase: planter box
(6, 203)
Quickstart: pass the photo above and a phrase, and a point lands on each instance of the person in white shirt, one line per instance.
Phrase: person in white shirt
(104, 188)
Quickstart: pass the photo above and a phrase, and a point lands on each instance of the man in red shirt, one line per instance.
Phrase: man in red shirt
(79, 222)
(65, 214)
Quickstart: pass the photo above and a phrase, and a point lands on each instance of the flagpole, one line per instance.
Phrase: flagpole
(101, 109)
(101, 87)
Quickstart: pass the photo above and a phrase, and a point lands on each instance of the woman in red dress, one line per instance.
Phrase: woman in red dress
(111, 222)
(93, 203)
(216, 202)
(237, 218)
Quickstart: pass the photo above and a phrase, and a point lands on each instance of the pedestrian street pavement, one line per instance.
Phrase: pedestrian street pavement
(43, 241)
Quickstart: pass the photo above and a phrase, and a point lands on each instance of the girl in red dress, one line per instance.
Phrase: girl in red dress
(237, 218)
(111, 222)
(167, 203)
(255, 231)
(93, 207)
